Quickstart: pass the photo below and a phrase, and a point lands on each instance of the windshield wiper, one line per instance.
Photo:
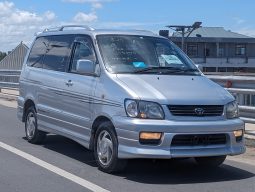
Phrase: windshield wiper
(165, 70)
(184, 70)
(148, 69)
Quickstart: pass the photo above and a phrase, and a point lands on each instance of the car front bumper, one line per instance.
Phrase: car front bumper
(128, 130)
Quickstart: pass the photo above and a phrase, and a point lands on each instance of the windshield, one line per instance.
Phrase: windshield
(142, 54)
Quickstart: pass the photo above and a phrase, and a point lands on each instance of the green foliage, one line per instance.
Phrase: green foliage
(2, 55)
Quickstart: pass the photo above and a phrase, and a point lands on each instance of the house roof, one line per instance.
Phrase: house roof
(14, 60)
(213, 35)
(213, 32)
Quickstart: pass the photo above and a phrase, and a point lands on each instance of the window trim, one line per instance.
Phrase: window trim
(241, 45)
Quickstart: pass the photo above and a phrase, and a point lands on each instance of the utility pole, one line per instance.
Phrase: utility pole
(185, 30)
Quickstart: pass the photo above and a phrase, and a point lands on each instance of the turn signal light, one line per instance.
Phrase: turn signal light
(150, 138)
(150, 135)
(238, 133)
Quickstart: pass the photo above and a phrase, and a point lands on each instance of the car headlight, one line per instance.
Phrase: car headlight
(131, 108)
(232, 110)
(143, 109)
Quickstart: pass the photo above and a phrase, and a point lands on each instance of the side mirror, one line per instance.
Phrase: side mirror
(85, 67)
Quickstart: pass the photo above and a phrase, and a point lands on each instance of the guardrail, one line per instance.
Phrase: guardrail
(242, 87)
(9, 79)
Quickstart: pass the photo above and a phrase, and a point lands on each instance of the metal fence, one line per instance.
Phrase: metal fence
(9, 79)
(242, 87)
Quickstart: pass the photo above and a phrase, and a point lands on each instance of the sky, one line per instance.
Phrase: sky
(21, 19)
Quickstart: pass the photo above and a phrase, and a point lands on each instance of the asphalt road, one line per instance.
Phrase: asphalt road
(22, 175)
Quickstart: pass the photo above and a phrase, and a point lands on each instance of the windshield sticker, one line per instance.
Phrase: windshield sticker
(139, 64)
(171, 59)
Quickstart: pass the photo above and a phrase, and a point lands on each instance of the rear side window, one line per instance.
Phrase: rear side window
(57, 56)
(38, 51)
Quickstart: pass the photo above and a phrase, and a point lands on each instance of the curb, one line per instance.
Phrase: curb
(8, 97)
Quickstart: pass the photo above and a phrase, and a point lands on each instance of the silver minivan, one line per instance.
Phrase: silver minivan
(125, 95)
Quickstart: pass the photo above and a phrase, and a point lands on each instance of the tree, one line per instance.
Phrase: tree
(2, 55)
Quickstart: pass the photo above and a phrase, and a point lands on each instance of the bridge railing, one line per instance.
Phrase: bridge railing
(9, 79)
(242, 87)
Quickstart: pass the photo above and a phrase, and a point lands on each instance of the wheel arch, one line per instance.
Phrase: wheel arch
(96, 123)
(28, 103)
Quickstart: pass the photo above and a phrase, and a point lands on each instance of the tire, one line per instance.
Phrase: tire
(210, 161)
(106, 149)
(33, 135)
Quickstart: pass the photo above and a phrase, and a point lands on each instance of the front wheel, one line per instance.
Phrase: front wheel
(210, 161)
(33, 135)
(106, 149)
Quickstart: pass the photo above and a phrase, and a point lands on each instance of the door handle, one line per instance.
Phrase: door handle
(69, 83)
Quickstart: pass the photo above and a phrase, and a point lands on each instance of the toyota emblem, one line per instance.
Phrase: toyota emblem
(199, 111)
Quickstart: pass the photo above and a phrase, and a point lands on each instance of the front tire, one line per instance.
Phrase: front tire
(210, 161)
(106, 149)
(33, 135)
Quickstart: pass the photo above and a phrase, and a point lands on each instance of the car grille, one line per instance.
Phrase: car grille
(196, 110)
(199, 139)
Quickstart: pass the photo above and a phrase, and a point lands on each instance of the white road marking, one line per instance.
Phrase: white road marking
(54, 169)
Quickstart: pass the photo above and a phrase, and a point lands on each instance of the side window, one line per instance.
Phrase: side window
(37, 53)
(58, 53)
(83, 50)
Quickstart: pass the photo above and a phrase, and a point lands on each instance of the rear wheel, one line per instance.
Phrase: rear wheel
(33, 135)
(210, 161)
(106, 149)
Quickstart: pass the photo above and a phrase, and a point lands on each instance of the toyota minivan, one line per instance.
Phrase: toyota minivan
(124, 95)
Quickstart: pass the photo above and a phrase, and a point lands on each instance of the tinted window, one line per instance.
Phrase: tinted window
(58, 52)
(38, 51)
(83, 50)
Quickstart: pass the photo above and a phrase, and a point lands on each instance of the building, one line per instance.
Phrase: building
(219, 50)
(14, 60)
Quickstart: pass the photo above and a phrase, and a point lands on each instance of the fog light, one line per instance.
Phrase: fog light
(238, 134)
(150, 138)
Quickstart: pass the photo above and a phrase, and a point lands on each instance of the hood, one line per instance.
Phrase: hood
(176, 89)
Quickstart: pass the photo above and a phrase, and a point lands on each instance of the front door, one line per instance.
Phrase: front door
(78, 92)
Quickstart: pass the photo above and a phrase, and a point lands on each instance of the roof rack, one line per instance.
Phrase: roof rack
(144, 31)
(61, 28)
